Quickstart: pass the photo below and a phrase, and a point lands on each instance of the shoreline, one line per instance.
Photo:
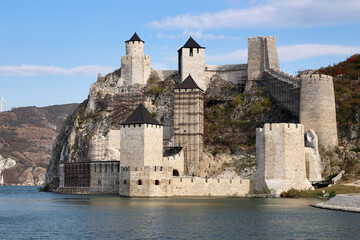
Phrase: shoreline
(342, 202)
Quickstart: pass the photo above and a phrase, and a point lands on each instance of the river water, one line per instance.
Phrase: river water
(26, 213)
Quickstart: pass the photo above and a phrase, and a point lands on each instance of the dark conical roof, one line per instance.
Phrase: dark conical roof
(135, 37)
(191, 43)
(141, 115)
(188, 83)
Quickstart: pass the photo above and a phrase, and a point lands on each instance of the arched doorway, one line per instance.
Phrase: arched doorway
(175, 173)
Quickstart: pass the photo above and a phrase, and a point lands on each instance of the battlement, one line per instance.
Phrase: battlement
(195, 180)
(147, 168)
(260, 39)
(277, 126)
(137, 125)
(316, 77)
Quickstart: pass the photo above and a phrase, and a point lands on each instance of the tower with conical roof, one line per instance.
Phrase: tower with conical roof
(189, 123)
(135, 66)
(192, 61)
(141, 139)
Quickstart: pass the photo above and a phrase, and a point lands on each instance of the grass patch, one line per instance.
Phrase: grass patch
(335, 189)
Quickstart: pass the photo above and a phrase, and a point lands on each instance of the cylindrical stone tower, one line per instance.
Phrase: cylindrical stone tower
(134, 46)
(317, 108)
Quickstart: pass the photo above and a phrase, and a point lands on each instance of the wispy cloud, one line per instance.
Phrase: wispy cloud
(288, 53)
(195, 34)
(304, 51)
(270, 14)
(36, 70)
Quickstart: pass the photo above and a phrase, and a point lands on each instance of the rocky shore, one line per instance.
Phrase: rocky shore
(349, 203)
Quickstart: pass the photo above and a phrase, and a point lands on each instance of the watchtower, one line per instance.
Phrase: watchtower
(317, 108)
(189, 122)
(262, 54)
(192, 61)
(141, 139)
(135, 66)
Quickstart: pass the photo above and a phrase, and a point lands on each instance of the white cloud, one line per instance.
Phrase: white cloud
(36, 70)
(269, 14)
(288, 53)
(303, 51)
(239, 56)
(195, 34)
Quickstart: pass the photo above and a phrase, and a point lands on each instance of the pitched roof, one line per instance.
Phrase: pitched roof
(188, 83)
(135, 37)
(141, 115)
(191, 43)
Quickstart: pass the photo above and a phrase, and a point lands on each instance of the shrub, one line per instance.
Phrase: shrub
(332, 194)
(291, 193)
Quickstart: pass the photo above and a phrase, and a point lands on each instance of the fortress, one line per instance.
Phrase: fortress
(287, 155)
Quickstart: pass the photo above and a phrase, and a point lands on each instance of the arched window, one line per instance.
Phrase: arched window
(139, 182)
(175, 173)
(124, 182)
(157, 182)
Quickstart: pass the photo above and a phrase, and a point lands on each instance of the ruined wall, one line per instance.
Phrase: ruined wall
(280, 158)
(194, 65)
(271, 56)
(234, 73)
(163, 74)
(206, 187)
(312, 157)
(189, 126)
(317, 108)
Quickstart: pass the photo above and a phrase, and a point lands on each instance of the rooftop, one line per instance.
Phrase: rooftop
(141, 115)
(188, 83)
(135, 37)
(191, 43)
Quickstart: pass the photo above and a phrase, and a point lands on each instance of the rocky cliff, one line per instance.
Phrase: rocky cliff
(26, 136)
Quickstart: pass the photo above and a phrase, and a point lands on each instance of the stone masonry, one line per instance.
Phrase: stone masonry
(317, 108)
(280, 158)
(135, 66)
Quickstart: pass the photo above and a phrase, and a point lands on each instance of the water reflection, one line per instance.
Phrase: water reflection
(26, 213)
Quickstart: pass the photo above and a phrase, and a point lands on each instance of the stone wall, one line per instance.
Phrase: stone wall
(163, 74)
(234, 73)
(155, 181)
(189, 126)
(175, 161)
(262, 54)
(280, 158)
(206, 187)
(141, 145)
(194, 65)
(317, 108)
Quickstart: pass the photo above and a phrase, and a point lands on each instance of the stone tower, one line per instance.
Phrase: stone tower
(280, 158)
(317, 108)
(192, 61)
(189, 122)
(135, 66)
(262, 54)
(141, 140)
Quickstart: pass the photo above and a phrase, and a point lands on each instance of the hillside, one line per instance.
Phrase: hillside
(27, 135)
(347, 96)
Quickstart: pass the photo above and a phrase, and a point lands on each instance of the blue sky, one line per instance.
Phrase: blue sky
(51, 51)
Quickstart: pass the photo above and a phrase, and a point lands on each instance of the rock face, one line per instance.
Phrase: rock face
(6, 163)
(27, 135)
(33, 176)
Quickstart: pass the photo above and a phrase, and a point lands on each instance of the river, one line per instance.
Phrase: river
(26, 213)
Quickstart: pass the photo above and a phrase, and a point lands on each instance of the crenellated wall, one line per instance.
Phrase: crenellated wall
(206, 187)
(280, 158)
(317, 108)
